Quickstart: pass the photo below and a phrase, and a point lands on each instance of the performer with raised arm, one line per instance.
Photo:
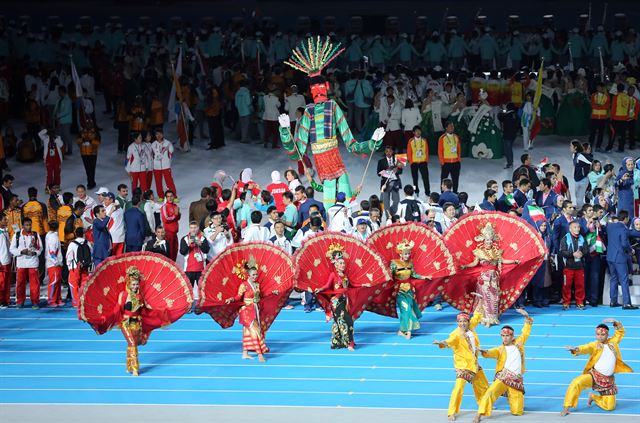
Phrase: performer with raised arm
(465, 345)
(509, 370)
(322, 121)
(604, 362)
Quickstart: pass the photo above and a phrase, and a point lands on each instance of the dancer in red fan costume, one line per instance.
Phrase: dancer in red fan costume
(252, 280)
(507, 255)
(139, 292)
(420, 265)
(344, 274)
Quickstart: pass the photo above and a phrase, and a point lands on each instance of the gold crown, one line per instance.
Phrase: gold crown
(487, 232)
(134, 273)
(405, 245)
(242, 268)
(335, 251)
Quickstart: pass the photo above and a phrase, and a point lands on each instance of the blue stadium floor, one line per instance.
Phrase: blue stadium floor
(48, 356)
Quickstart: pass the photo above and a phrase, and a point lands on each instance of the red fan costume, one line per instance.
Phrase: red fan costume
(139, 292)
(420, 265)
(345, 274)
(507, 254)
(252, 280)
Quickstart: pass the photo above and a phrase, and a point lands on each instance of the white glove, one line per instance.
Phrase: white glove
(284, 120)
(378, 134)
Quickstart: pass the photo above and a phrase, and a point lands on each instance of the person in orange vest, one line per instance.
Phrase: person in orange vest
(89, 140)
(634, 108)
(137, 116)
(155, 118)
(619, 116)
(600, 104)
(418, 156)
(449, 155)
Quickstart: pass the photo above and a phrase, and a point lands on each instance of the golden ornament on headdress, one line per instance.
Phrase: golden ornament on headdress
(133, 273)
(405, 245)
(242, 268)
(335, 251)
(487, 233)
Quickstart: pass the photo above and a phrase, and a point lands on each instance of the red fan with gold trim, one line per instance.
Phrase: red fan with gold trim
(223, 276)
(165, 289)
(365, 271)
(517, 240)
(429, 256)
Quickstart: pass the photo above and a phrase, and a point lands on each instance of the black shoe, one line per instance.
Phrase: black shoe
(629, 307)
(614, 305)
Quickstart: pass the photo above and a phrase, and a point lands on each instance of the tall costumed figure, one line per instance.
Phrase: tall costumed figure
(138, 292)
(497, 255)
(323, 122)
(251, 281)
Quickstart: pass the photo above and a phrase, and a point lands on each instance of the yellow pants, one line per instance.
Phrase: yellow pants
(497, 388)
(579, 384)
(479, 384)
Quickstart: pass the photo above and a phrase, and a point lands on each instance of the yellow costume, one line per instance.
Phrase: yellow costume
(506, 380)
(591, 378)
(465, 348)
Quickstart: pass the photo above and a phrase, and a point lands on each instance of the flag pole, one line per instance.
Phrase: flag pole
(182, 114)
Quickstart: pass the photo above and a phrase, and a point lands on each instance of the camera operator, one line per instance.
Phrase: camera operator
(218, 235)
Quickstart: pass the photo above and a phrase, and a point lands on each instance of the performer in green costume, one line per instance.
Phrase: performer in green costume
(322, 122)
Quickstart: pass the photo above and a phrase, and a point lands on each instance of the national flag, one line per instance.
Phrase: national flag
(175, 89)
(402, 159)
(511, 201)
(595, 243)
(535, 120)
(76, 79)
(536, 213)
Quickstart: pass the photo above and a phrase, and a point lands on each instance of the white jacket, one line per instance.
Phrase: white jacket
(271, 107)
(136, 158)
(5, 255)
(148, 149)
(410, 118)
(29, 241)
(53, 251)
(162, 154)
(255, 232)
(390, 115)
(72, 252)
(45, 142)
(218, 244)
(291, 104)
(116, 223)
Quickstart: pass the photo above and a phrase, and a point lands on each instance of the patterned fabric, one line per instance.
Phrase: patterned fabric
(329, 165)
(604, 385)
(511, 379)
(252, 339)
(342, 328)
(467, 375)
(323, 119)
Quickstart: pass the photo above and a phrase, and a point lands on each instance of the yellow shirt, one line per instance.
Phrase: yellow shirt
(594, 349)
(463, 357)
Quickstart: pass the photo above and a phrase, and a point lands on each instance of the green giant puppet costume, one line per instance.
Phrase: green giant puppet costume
(322, 122)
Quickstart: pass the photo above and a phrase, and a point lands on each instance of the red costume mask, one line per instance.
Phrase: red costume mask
(319, 92)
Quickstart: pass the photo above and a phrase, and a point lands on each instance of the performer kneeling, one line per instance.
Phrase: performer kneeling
(509, 370)
(604, 362)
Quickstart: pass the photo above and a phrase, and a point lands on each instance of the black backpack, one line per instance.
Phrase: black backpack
(412, 212)
(83, 255)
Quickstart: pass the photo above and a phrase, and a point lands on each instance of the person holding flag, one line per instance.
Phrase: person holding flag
(507, 202)
(535, 115)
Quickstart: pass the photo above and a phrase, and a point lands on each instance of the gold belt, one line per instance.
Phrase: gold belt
(323, 145)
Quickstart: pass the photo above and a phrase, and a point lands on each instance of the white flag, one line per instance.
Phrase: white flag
(76, 79)
(171, 107)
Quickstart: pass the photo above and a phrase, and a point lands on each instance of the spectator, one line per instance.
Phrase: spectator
(573, 249)
(170, 216)
(198, 209)
(618, 250)
(135, 222)
(255, 232)
(158, 244)
(194, 248)
(418, 156)
(411, 209)
(78, 262)
(101, 236)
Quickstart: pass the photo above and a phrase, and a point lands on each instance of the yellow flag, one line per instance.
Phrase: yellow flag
(537, 95)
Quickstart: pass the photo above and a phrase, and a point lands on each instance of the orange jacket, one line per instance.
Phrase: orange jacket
(600, 104)
(418, 150)
(449, 149)
(620, 107)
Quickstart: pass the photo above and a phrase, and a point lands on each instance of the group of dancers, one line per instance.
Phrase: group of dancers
(398, 272)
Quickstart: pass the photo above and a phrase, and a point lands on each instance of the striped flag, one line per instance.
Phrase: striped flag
(595, 243)
(402, 158)
(511, 202)
(536, 213)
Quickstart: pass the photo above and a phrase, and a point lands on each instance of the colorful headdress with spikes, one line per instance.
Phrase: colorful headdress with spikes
(405, 245)
(313, 55)
(335, 251)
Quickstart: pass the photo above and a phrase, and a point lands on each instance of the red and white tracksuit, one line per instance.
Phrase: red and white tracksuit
(116, 228)
(148, 165)
(52, 155)
(53, 263)
(170, 215)
(162, 155)
(77, 276)
(137, 165)
(26, 265)
(5, 268)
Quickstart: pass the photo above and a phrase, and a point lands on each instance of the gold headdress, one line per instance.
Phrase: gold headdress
(487, 232)
(242, 268)
(404, 245)
(335, 252)
(133, 273)
(311, 56)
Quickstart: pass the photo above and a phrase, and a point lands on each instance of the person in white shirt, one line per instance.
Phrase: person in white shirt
(292, 103)
(279, 239)
(116, 224)
(151, 208)
(449, 216)
(270, 119)
(53, 264)
(77, 274)
(362, 230)
(411, 117)
(162, 155)
(411, 209)
(136, 165)
(255, 232)
(218, 236)
(26, 247)
(338, 216)
(5, 262)
(391, 116)
(509, 370)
